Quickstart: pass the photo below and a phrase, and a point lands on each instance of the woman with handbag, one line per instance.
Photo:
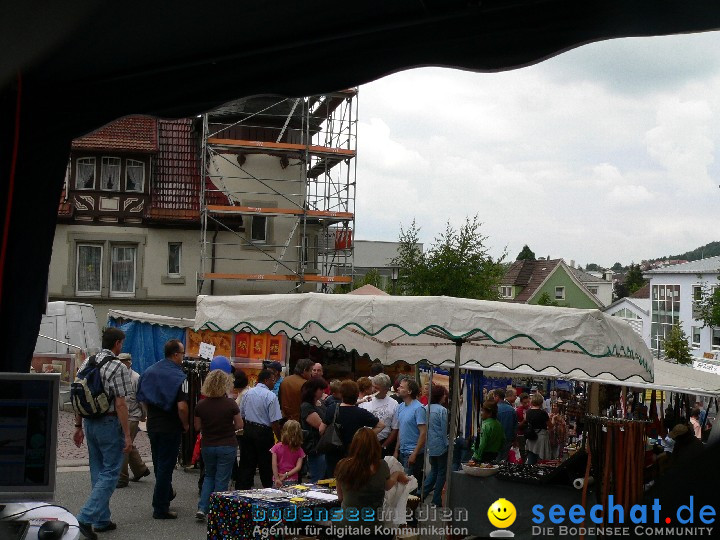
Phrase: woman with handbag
(345, 419)
(312, 412)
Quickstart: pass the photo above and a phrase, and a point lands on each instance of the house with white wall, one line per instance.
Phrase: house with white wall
(634, 310)
(674, 293)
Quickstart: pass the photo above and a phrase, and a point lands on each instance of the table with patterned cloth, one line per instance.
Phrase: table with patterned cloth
(236, 515)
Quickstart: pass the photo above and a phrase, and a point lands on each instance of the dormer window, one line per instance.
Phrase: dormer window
(85, 173)
(134, 175)
(110, 174)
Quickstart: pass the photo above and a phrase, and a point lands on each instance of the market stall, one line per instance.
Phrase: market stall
(438, 330)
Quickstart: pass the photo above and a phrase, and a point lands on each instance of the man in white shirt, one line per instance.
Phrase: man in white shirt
(383, 407)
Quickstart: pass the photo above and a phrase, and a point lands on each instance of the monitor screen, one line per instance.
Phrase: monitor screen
(28, 435)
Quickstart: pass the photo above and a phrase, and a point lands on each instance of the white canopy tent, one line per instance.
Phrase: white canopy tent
(438, 329)
(413, 329)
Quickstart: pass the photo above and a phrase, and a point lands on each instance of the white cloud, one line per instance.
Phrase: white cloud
(603, 154)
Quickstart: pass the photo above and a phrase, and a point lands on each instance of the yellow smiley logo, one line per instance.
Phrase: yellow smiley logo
(502, 513)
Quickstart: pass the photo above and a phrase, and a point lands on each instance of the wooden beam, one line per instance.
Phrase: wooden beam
(289, 147)
(258, 210)
(278, 277)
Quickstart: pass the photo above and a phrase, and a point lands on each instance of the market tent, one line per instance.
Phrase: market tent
(417, 328)
(146, 334)
(69, 68)
(669, 377)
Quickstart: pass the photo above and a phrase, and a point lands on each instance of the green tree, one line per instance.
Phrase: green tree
(708, 306)
(617, 267)
(457, 264)
(545, 300)
(676, 345)
(592, 267)
(634, 279)
(526, 254)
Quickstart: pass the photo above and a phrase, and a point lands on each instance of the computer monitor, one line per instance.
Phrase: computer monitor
(28, 436)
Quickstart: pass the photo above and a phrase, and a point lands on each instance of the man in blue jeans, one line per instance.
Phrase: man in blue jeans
(161, 388)
(107, 437)
(412, 430)
(507, 417)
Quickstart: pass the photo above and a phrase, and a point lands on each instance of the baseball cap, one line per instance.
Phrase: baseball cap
(221, 363)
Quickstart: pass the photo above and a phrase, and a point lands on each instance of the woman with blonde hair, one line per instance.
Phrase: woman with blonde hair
(363, 478)
(217, 417)
(288, 455)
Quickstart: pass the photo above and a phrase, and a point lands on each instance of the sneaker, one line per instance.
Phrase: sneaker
(87, 531)
(141, 476)
(167, 515)
(109, 527)
(200, 515)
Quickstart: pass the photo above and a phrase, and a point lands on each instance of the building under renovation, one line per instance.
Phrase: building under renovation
(257, 196)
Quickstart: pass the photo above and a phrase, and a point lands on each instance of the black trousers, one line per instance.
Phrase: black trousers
(255, 453)
(165, 448)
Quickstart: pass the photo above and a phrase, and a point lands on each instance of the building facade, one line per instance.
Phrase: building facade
(674, 293)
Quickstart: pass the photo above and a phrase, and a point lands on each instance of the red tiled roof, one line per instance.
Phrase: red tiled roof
(128, 134)
(65, 208)
(530, 275)
(175, 193)
(642, 292)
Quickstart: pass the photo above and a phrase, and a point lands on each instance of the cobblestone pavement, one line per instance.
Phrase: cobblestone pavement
(69, 454)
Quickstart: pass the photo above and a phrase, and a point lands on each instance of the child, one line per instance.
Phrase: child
(287, 455)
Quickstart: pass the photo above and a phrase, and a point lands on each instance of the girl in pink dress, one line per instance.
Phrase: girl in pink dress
(288, 455)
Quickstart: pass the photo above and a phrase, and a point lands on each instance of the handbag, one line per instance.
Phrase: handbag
(530, 433)
(330, 439)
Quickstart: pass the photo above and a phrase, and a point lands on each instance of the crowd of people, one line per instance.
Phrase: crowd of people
(277, 426)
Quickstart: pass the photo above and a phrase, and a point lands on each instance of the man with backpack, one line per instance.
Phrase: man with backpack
(101, 419)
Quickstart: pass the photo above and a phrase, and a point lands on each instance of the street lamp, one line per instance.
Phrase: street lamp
(394, 274)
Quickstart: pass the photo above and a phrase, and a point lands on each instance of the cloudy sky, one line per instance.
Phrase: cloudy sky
(605, 153)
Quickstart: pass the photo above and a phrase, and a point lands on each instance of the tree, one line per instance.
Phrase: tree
(592, 267)
(457, 264)
(708, 306)
(617, 267)
(676, 345)
(621, 291)
(634, 279)
(545, 300)
(526, 254)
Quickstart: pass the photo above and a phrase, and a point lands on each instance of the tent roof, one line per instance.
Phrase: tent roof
(150, 318)
(668, 376)
(415, 328)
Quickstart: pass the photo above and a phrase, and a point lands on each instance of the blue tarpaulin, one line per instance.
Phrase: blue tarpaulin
(145, 341)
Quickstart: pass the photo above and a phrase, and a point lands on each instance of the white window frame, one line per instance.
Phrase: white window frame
(562, 292)
(506, 291)
(712, 335)
(124, 294)
(695, 344)
(179, 272)
(134, 163)
(252, 227)
(78, 292)
(82, 161)
(102, 170)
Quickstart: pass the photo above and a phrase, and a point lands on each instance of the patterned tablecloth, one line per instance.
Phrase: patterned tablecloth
(235, 515)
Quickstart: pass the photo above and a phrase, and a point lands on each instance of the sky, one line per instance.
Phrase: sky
(602, 154)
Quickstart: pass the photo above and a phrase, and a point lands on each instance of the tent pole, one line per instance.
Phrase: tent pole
(454, 406)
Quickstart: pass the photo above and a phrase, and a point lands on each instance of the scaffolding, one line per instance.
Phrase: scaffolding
(278, 200)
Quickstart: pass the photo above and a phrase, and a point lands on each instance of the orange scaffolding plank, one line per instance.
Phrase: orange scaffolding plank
(291, 147)
(224, 209)
(278, 277)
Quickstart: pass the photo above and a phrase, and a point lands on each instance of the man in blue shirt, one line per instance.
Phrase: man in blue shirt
(507, 418)
(412, 429)
(261, 413)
